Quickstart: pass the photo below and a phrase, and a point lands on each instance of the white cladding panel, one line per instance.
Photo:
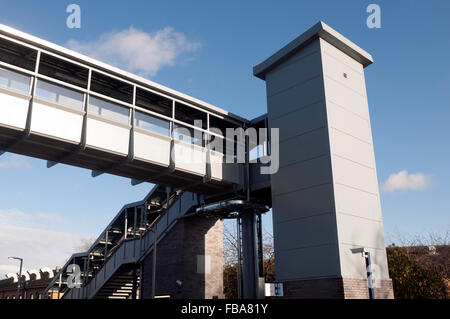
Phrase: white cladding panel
(367, 233)
(358, 210)
(353, 265)
(292, 99)
(223, 171)
(190, 158)
(341, 57)
(56, 122)
(107, 136)
(301, 120)
(357, 202)
(308, 202)
(341, 72)
(302, 175)
(307, 262)
(316, 230)
(354, 175)
(13, 110)
(294, 73)
(352, 148)
(297, 69)
(345, 121)
(303, 147)
(346, 98)
(152, 147)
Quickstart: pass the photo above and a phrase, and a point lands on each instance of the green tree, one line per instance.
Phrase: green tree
(412, 280)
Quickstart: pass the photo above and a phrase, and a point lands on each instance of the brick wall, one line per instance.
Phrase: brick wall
(336, 288)
(181, 255)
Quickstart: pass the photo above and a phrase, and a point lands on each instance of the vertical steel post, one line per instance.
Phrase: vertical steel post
(250, 278)
(141, 281)
(239, 255)
(369, 275)
(155, 240)
(88, 266)
(134, 231)
(134, 287)
(59, 284)
(134, 222)
(260, 245)
(126, 224)
(19, 283)
(106, 245)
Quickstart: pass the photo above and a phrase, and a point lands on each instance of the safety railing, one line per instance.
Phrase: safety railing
(60, 109)
(134, 249)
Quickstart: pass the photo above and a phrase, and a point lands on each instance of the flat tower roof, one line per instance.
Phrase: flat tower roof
(319, 30)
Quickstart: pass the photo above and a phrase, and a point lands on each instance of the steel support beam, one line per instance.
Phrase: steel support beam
(82, 145)
(26, 133)
(259, 241)
(250, 256)
(239, 252)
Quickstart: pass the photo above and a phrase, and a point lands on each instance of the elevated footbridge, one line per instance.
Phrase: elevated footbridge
(63, 107)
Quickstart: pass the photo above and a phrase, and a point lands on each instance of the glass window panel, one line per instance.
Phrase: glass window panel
(220, 124)
(59, 94)
(63, 70)
(152, 123)
(187, 134)
(109, 110)
(154, 102)
(111, 87)
(189, 115)
(13, 80)
(17, 55)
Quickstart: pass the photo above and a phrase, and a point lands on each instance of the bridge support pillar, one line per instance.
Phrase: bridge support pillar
(250, 256)
(189, 261)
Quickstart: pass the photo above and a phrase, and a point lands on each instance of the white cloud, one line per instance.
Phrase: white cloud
(16, 217)
(38, 247)
(404, 181)
(49, 217)
(15, 161)
(5, 269)
(136, 50)
(36, 238)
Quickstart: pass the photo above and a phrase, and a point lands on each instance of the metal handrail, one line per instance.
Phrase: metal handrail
(142, 253)
(89, 92)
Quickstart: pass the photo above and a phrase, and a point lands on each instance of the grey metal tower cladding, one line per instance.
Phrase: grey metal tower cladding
(325, 195)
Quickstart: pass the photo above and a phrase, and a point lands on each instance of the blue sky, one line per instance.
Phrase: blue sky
(215, 46)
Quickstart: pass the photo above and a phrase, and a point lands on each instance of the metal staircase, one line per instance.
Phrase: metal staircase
(122, 286)
(109, 269)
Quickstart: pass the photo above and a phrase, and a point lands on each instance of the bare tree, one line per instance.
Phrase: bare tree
(230, 244)
(429, 239)
(85, 244)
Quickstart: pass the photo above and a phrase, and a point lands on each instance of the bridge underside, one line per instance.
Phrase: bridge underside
(61, 151)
